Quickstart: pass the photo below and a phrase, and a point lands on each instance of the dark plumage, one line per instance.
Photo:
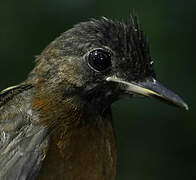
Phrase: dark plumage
(57, 124)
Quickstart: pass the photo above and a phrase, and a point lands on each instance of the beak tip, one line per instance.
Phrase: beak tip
(186, 107)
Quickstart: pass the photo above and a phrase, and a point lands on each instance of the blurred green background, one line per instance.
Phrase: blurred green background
(155, 141)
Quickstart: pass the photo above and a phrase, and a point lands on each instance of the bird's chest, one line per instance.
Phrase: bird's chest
(86, 151)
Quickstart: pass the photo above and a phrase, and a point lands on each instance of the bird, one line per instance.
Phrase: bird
(57, 124)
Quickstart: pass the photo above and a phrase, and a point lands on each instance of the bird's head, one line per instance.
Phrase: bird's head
(100, 60)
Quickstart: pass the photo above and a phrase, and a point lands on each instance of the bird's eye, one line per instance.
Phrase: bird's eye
(99, 59)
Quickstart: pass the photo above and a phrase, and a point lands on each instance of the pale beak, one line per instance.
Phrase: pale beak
(151, 88)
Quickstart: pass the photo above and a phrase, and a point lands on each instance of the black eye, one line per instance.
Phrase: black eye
(99, 59)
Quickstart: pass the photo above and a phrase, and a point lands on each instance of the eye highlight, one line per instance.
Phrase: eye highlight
(99, 59)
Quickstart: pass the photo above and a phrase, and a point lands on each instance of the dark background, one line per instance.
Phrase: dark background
(155, 141)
